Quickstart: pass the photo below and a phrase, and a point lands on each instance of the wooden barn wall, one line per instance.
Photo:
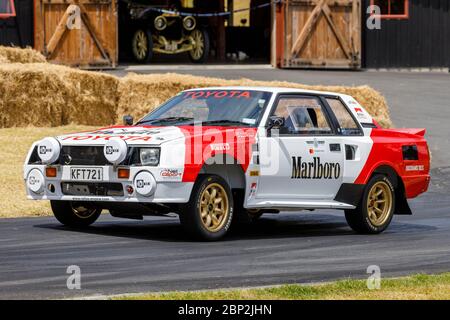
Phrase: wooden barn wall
(18, 31)
(423, 40)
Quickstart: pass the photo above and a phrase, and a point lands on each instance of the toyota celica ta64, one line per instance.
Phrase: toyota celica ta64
(218, 155)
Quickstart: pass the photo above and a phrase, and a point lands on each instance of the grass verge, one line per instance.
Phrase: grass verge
(416, 287)
(16, 142)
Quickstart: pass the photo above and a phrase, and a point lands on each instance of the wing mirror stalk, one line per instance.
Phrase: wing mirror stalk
(274, 123)
(128, 120)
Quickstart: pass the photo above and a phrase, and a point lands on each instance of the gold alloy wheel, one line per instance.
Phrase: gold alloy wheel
(214, 207)
(81, 211)
(140, 46)
(199, 44)
(379, 204)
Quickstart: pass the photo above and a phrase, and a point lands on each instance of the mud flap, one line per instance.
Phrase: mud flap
(401, 204)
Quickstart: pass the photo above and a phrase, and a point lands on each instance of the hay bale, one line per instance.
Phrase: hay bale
(19, 55)
(139, 94)
(49, 95)
(33, 92)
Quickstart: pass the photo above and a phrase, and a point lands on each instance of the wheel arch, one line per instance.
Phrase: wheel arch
(227, 167)
(401, 204)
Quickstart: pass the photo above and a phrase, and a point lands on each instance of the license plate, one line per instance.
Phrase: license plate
(86, 174)
(171, 46)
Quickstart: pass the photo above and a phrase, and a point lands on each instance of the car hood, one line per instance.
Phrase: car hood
(149, 135)
(133, 135)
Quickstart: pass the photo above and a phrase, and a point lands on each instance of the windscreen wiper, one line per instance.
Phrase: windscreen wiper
(168, 119)
(236, 122)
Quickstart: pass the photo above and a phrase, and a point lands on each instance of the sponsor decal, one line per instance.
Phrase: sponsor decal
(140, 183)
(32, 180)
(220, 146)
(170, 173)
(415, 168)
(314, 169)
(106, 138)
(252, 189)
(111, 150)
(361, 114)
(127, 131)
(317, 146)
(254, 173)
(44, 149)
(90, 199)
(219, 94)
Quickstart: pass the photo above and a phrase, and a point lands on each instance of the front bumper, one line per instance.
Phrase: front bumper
(167, 189)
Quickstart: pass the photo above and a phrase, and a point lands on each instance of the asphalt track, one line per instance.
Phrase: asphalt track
(122, 256)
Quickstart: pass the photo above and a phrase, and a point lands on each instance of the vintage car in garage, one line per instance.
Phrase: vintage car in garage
(166, 27)
(217, 155)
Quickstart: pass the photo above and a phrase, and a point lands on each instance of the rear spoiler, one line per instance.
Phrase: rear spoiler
(414, 131)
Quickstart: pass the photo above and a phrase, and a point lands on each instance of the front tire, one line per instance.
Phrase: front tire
(209, 213)
(142, 45)
(75, 214)
(376, 209)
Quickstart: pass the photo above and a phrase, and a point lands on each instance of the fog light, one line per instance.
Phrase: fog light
(130, 189)
(144, 183)
(48, 150)
(123, 173)
(35, 181)
(50, 172)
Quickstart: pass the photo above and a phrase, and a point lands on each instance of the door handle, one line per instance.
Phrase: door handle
(335, 147)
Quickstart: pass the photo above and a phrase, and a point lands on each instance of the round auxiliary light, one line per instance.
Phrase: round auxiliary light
(144, 183)
(160, 23)
(35, 181)
(115, 150)
(48, 150)
(189, 23)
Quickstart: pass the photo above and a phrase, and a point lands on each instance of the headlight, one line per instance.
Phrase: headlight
(149, 156)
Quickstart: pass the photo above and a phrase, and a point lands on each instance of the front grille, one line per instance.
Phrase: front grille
(86, 156)
(83, 155)
(92, 189)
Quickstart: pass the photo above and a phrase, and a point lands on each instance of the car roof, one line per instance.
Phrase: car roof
(270, 89)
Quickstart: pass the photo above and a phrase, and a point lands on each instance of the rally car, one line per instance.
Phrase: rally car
(220, 155)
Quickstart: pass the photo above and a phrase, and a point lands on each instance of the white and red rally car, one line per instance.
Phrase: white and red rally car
(214, 155)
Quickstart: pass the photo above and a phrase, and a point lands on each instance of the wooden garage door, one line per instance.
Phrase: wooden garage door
(77, 32)
(322, 34)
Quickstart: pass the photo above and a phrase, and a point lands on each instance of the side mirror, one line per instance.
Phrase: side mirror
(275, 122)
(128, 120)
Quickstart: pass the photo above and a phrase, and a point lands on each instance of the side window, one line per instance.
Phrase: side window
(302, 115)
(348, 125)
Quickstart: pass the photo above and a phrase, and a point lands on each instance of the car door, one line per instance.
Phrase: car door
(356, 144)
(303, 160)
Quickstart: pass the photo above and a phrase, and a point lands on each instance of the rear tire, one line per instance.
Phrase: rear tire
(208, 214)
(75, 214)
(200, 53)
(376, 209)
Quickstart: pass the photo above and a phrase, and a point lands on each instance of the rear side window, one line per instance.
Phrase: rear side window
(348, 125)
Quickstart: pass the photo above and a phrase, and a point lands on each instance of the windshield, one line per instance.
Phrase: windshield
(211, 107)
